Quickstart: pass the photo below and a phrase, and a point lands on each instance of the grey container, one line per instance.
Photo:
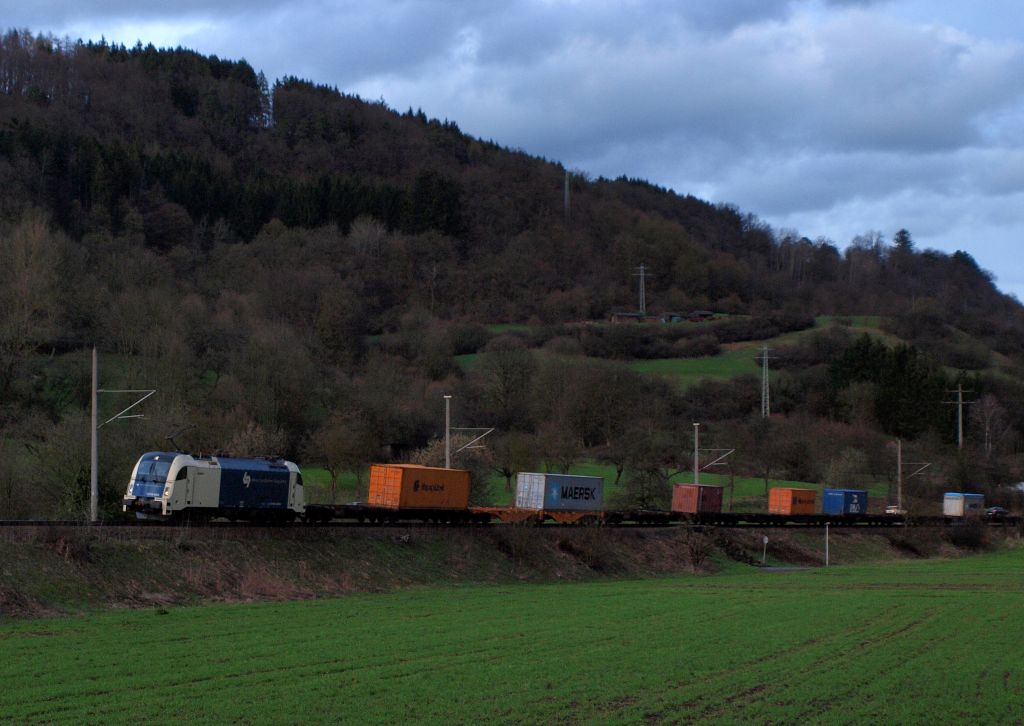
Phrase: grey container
(960, 504)
(559, 492)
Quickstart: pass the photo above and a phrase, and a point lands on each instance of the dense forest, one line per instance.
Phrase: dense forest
(303, 272)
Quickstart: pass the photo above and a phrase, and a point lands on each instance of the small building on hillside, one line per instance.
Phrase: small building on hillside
(696, 316)
(630, 316)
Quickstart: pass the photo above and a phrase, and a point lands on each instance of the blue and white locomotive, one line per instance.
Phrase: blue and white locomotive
(172, 485)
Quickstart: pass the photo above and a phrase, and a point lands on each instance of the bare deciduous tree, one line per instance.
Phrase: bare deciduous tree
(29, 257)
(344, 443)
(991, 418)
(254, 440)
(512, 453)
(478, 461)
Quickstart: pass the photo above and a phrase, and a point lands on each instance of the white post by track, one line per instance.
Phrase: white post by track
(764, 552)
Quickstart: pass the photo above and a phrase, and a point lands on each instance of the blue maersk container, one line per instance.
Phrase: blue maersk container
(559, 492)
(844, 501)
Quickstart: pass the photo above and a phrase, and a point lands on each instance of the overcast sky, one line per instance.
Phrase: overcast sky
(829, 117)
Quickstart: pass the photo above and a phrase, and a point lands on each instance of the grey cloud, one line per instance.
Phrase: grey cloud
(853, 3)
(43, 15)
(836, 89)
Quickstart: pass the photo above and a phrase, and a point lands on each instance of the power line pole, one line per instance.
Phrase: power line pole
(94, 482)
(642, 273)
(718, 461)
(474, 443)
(899, 474)
(766, 406)
(959, 403)
(922, 465)
(696, 453)
(94, 488)
(447, 431)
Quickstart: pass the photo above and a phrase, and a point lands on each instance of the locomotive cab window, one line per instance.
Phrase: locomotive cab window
(153, 471)
(298, 479)
(182, 474)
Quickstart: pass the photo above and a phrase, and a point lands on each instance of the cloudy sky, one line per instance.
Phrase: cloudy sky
(829, 117)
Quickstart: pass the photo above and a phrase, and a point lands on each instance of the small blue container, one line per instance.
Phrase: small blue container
(844, 501)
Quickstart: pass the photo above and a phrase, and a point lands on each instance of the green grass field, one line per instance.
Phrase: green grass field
(741, 358)
(734, 360)
(499, 328)
(908, 642)
(685, 372)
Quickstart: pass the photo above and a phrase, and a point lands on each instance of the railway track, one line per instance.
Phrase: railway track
(754, 521)
(157, 526)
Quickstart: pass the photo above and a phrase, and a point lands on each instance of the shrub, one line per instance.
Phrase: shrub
(696, 347)
(564, 345)
(467, 337)
(969, 534)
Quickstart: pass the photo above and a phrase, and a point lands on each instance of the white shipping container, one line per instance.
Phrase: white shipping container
(529, 491)
(960, 504)
(561, 492)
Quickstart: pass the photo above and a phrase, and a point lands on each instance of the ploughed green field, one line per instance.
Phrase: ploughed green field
(907, 642)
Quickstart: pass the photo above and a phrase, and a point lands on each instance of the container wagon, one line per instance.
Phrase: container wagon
(962, 504)
(565, 498)
(405, 492)
(789, 501)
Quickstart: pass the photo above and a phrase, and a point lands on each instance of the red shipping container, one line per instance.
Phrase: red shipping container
(694, 498)
(785, 500)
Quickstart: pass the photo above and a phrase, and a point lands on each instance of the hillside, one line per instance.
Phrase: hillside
(299, 271)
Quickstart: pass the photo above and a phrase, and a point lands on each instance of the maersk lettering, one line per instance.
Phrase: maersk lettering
(579, 493)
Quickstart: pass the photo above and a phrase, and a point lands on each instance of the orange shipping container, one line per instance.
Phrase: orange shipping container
(783, 500)
(410, 486)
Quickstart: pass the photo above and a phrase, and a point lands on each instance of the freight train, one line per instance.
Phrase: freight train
(172, 486)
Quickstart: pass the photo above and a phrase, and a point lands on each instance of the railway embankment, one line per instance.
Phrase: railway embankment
(64, 570)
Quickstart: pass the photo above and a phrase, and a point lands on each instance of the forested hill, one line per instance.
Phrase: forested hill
(287, 259)
(173, 149)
